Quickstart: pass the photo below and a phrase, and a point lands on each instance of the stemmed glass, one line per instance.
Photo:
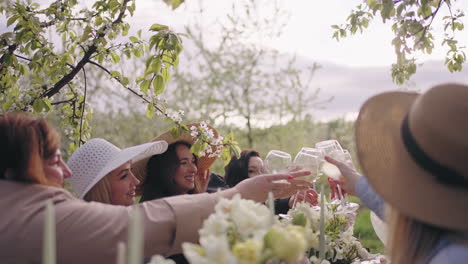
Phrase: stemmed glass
(310, 162)
(277, 161)
(313, 151)
(333, 149)
(347, 158)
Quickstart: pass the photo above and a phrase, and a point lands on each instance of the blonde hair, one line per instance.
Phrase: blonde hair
(101, 192)
(410, 241)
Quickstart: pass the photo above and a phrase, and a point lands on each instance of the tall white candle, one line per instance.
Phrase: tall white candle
(271, 205)
(135, 238)
(322, 225)
(49, 237)
(121, 253)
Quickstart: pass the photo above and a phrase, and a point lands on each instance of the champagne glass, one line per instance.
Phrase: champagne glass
(277, 161)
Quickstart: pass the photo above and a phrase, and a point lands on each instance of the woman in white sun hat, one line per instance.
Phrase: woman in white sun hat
(413, 149)
(31, 174)
(102, 171)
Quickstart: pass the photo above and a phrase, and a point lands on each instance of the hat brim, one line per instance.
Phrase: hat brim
(380, 227)
(204, 162)
(392, 171)
(134, 154)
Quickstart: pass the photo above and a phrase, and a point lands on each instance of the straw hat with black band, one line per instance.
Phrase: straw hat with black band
(204, 162)
(414, 151)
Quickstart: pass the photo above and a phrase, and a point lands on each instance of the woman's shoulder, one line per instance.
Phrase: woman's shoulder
(453, 253)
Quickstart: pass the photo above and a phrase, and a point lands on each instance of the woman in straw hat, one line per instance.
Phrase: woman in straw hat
(31, 173)
(102, 171)
(177, 171)
(413, 150)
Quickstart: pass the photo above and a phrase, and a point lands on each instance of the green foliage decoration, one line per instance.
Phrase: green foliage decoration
(411, 24)
(42, 76)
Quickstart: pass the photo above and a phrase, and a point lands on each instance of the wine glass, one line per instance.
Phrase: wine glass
(313, 151)
(347, 158)
(309, 162)
(333, 149)
(277, 161)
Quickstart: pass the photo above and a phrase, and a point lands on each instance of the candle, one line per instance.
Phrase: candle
(121, 253)
(49, 239)
(271, 205)
(322, 225)
(135, 238)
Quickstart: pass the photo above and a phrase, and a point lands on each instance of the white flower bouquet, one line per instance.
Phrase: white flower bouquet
(245, 232)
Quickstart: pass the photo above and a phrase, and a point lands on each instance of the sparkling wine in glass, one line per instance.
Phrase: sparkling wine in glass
(308, 162)
(333, 149)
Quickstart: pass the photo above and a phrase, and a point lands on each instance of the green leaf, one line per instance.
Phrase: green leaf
(165, 75)
(145, 86)
(150, 111)
(235, 150)
(125, 81)
(134, 39)
(176, 132)
(115, 74)
(115, 57)
(86, 33)
(41, 104)
(12, 20)
(158, 85)
(158, 27)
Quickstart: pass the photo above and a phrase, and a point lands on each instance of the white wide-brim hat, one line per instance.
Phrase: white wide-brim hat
(380, 227)
(98, 157)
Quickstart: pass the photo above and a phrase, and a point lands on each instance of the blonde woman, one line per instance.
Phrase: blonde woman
(102, 171)
(413, 149)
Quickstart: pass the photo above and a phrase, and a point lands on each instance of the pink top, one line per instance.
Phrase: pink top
(89, 232)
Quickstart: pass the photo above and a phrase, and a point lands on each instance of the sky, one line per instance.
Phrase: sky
(353, 69)
(308, 32)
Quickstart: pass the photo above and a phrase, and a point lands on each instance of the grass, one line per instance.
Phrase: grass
(364, 231)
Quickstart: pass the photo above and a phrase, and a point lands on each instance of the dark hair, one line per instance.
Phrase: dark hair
(238, 168)
(25, 142)
(160, 171)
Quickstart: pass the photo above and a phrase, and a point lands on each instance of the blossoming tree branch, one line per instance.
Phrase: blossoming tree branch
(412, 21)
(39, 76)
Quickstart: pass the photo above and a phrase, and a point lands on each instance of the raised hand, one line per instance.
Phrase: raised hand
(348, 179)
(281, 185)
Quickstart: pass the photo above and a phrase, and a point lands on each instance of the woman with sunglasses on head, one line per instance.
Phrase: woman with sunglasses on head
(32, 173)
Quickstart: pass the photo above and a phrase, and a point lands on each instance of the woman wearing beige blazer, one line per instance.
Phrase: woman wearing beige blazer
(32, 172)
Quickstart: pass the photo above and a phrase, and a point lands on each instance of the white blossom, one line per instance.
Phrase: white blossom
(158, 259)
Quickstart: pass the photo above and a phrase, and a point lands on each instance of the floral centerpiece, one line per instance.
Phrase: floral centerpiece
(245, 232)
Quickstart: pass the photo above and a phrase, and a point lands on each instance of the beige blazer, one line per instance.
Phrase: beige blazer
(89, 232)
